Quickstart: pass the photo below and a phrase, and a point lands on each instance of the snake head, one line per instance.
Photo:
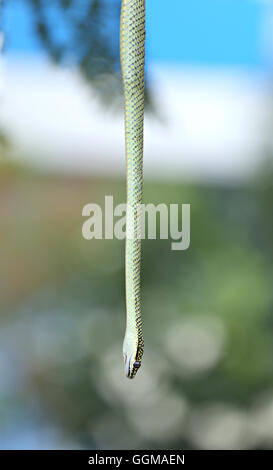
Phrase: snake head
(132, 359)
(131, 367)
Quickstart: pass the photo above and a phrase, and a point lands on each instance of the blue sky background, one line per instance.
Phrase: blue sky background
(198, 32)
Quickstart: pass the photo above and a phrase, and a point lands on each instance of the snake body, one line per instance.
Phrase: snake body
(132, 52)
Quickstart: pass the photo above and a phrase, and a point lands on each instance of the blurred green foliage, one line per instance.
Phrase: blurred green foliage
(206, 379)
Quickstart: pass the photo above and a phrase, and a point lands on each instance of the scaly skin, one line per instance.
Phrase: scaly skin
(132, 51)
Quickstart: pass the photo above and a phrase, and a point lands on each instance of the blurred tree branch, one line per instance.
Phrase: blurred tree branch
(87, 36)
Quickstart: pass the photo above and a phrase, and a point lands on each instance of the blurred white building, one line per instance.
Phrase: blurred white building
(209, 123)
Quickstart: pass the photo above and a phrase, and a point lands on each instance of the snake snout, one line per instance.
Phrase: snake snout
(131, 367)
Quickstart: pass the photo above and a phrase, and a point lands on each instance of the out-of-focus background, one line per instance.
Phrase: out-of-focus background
(207, 375)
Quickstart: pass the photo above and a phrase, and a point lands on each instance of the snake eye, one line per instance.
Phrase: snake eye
(137, 364)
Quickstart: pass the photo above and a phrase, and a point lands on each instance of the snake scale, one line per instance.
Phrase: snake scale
(132, 52)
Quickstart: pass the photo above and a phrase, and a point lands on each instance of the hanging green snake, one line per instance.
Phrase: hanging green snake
(132, 52)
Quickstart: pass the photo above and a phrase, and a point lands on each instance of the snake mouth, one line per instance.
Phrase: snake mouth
(128, 373)
(127, 366)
